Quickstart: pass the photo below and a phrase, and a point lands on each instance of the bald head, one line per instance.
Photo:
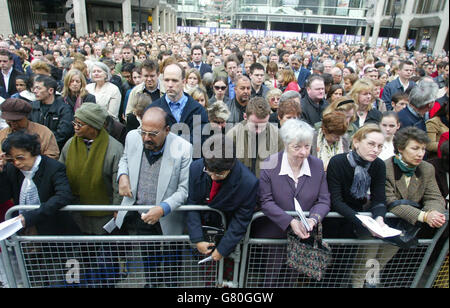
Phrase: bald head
(154, 129)
(174, 82)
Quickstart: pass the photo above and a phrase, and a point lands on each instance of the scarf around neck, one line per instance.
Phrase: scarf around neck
(28, 192)
(404, 167)
(361, 178)
(85, 171)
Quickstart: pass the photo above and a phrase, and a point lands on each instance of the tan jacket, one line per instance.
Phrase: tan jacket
(49, 147)
(269, 142)
(422, 189)
(435, 128)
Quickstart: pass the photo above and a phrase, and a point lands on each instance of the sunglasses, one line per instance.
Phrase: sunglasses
(220, 88)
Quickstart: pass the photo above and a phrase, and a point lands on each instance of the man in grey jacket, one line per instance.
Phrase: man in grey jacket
(154, 170)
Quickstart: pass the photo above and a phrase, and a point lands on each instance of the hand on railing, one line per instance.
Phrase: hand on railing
(153, 215)
(435, 219)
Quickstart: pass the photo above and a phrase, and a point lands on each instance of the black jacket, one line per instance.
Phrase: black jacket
(312, 112)
(236, 199)
(12, 83)
(58, 119)
(72, 100)
(54, 193)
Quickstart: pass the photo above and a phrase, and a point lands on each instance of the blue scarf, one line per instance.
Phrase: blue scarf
(361, 178)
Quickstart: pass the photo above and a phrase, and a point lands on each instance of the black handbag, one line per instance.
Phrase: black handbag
(310, 259)
(408, 237)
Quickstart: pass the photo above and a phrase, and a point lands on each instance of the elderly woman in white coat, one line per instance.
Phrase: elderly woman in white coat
(106, 94)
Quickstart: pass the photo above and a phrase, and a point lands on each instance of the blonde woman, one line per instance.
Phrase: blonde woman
(347, 106)
(200, 96)
(287, 80)
(362, 95)
(74, 92)
(193, 80)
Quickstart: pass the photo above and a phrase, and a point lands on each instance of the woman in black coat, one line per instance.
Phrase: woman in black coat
(31, 179)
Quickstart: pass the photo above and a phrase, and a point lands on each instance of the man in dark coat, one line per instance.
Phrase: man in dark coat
(224, 184)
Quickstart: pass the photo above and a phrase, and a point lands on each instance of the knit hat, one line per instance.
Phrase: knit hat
(92, 114)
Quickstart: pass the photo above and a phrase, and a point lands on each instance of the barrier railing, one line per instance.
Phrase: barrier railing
(355, 262)
(110, 260)
(172, 261)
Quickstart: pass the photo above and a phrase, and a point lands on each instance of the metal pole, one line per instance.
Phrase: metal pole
(140, 23)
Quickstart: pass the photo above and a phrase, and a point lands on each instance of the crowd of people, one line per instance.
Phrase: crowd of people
(237, 123)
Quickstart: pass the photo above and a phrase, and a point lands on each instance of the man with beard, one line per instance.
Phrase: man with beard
(151, 172)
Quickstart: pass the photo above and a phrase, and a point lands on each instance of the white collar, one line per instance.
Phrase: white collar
(287, 170)
(9, 72)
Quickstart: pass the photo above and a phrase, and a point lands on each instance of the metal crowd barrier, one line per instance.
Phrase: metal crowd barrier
(110, 260)
(172, 261)
(264, 262)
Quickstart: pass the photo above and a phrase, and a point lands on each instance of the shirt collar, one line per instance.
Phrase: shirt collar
(411, 109)
(287, 170)
(9, 72)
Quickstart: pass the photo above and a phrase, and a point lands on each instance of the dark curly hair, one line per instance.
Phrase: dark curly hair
(404, 135)
(21, 140)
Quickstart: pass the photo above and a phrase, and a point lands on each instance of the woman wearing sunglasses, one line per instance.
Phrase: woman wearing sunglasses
(220, 87)
(30, 178)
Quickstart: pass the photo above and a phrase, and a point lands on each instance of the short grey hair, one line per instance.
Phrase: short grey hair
(423, 93)
(103, 67)
(291, 94)
(296, 131)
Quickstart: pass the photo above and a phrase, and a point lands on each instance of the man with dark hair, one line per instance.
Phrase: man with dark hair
(257, 76)
(149, 86)
(314, 103)
(197, 61)
(51, 111)
(255, 138)
(221, 182)
(400, 84)
(442, 70)
(9, 73)
(127, 57)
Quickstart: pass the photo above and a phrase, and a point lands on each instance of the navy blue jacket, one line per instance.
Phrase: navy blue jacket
(187, 116)
(204, 68)
(236, 199)
(302, 76)
(391, 88)
(407, 118)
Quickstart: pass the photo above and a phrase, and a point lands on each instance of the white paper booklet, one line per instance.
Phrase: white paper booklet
(302, 216)
(9, 227)
(373, 226)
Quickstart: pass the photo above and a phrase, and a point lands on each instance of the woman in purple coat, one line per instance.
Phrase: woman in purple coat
(290, 174)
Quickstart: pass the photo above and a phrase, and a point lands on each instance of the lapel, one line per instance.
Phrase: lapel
(165, 172)
(134, 161)
(300, 184)
(415, 185)
(399, 183)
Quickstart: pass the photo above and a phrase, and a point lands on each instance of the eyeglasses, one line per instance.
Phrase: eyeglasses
(11, 159)
(148, 134)
(370, 70)
(221, 175)
(220, 88)
(78, 125)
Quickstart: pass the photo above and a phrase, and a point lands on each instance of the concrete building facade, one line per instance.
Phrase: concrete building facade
(84, 16)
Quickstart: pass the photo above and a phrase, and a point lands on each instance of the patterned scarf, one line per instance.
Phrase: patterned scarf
(28, 193)
(325, 151)
(361, 179)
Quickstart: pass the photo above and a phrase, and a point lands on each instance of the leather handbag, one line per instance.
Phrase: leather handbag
(310, 257)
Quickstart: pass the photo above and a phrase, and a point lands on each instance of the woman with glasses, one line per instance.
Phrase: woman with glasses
(289, 176)
(220, 87)
(357, 183)
(223, 183)
(30, 178)
(74, 92)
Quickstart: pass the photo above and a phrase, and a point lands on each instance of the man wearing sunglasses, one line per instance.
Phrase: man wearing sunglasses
(154, 170)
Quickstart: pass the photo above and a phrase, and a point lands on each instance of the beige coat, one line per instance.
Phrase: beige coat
(435, 128)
